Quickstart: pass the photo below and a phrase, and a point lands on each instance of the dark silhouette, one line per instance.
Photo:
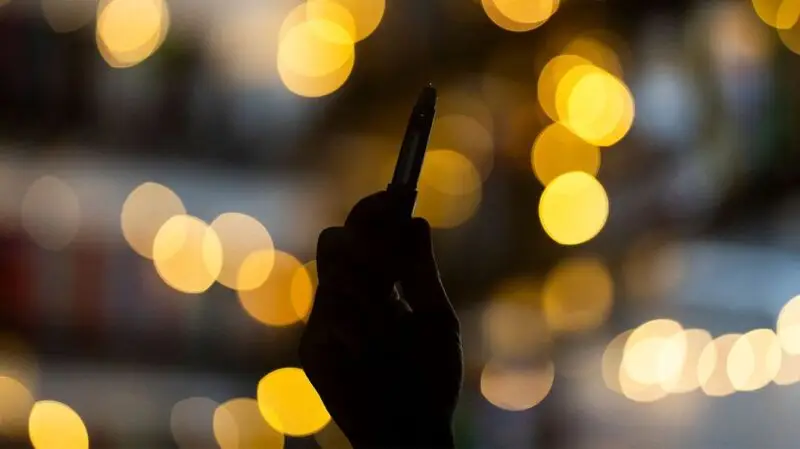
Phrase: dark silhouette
(386, 360)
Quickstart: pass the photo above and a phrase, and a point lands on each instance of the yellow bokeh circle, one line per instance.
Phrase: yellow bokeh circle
(467, 136)
(53, 425)
(365, 15)
(577, 295)
(754, 360)
(130, 31)
(519, 16)
(557, 151)
(712, 367)
(15, 406)
(516, 389)
(450, 189)
(238, 424)
(788, 326)
(51, 213)
(655, 352)
(144, 211)
(287, 294)
(240, 236)
(596, 52)
(550, 78)
(290, 404)
(573, 208)
(187, 254)
(686, 379)
(780, 14)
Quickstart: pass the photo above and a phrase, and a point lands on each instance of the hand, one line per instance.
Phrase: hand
(387, 365)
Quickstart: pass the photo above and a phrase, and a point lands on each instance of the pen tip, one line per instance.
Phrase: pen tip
(427, 98)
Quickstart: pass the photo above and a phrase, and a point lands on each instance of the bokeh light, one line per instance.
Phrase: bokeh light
(238, 424)
(791, 37)
(596, 52)
(612, 361)
(285, 297)
(332, 437)
(789, 373)
(655, 352)
(577, 295)
(780, 14)
(130, 31)
(240, 236)
(712, 368)
(573, 208)
(595, 105)
(464, 101)
(512, 322)
(516, 388)
(686, 379)
(557, 151)
(290, 404)
(449, 189)
(51, 213)
(302, 281)
(465, 135)
(366, 15)
(65, 16)
(53, 425)
(191, 422)
(517, 16)
(144, 211)
(550, 78)
(788, 326)
(187, 254)
(754, 360)
(16, 402)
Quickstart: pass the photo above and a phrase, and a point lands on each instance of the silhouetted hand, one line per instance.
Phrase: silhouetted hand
(388, 365)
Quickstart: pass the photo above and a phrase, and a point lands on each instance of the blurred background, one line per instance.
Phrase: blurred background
(614, 184)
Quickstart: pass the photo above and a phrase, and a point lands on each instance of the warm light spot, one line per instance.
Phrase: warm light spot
(290, 403)
(240, 236)
(550, 79)
(788, 327)
(655, 352)
(130, 31)
(519, 16)
(65, 16)
(516, 388)
(282, 299)
(466, 136)
(790, 370)
(578, 295)
(238, 424)
(366, 14)
(53, 425)
(332, 437)
(639, 392)
(192, 421)
(791, 38)
(595, 105)
(686, 379)
(51, 213)
(15, 405)
(596, 52)
(573, 208)
(304, 286)
(557, 151)
(612, 361)
(449, 189)
(780, 14)
(512, 323)
(187, 254)
(333, 21)
(145, 210)
(464, 101)
(754, 360)
(712, 368)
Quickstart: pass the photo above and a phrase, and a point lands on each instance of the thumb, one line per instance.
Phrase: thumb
(420, 280)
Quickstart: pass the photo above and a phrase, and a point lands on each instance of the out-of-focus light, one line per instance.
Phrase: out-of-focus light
(240, 236)
(51, 213)
(512, 323)
(790, 370)
(238, 424)
(17, 361)
(65, 16)
(53, 425)
(686, 379)
(780, 14)
(655, 352)
(550, 78)
(15, 405)
(577, 295)
(652, 267)
(290, 404)
(612, 361)
(130, 31)
(516, 389)
(332, 437)
(144, 211)
(365, 15)
(557, 151)
(595, 105)
(596, 52)
(456, 100)
(754, 360)
(788, 326)
(449, 189)
(467, 136)
(304, 286)
(791, 37)
(192, 422)
(573, 208)
(315, 55)
(513, 15)
(187, 254)
(283, 299)
(712, 368)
